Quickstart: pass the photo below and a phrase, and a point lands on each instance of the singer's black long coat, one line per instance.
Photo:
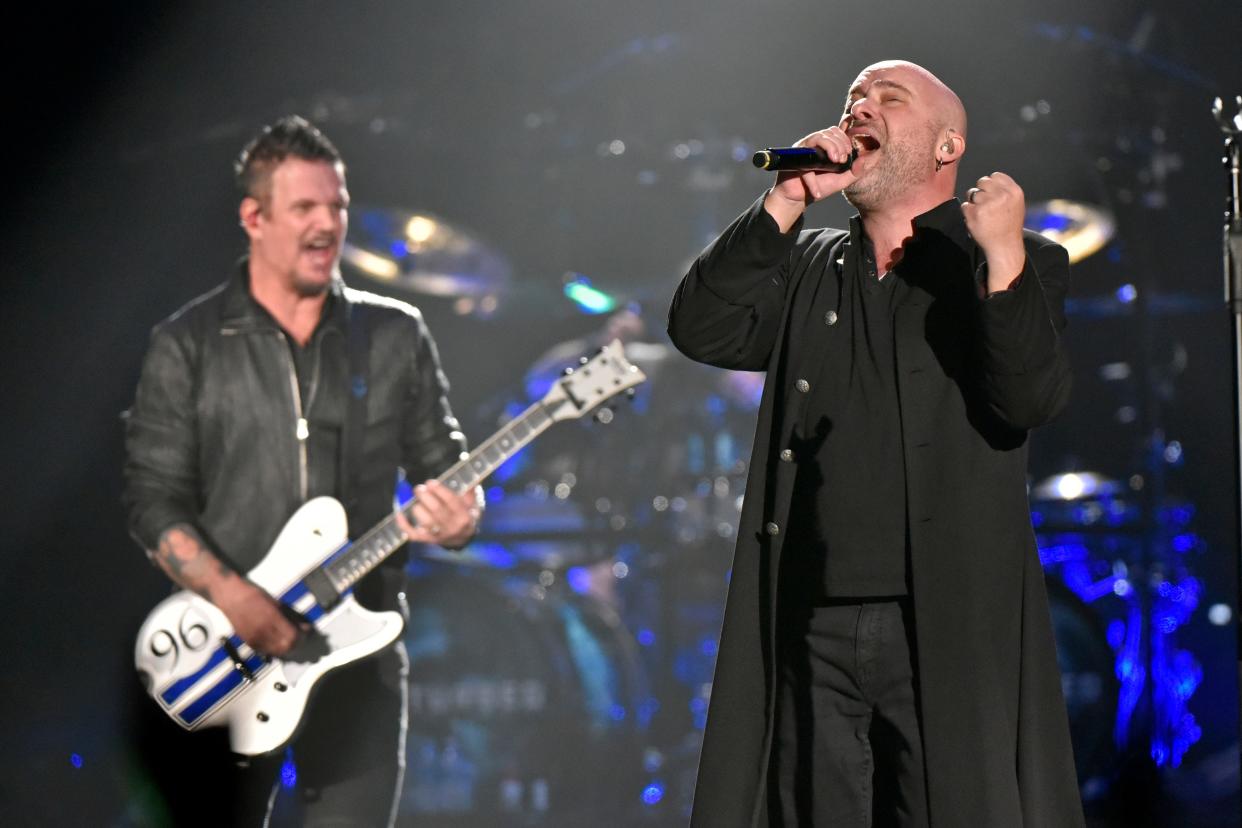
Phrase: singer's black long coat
(974, 375)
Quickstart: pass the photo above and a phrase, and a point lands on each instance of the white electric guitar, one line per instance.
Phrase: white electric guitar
(203, 675)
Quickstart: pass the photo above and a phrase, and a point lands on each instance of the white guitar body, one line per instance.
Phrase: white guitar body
(189, 671)
(203, 675)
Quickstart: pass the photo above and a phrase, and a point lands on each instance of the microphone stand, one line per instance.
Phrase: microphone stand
(1231, 125)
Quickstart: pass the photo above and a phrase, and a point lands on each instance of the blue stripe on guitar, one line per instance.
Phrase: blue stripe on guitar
(175, 690)
(178, 688)
(223, 687)
(294, 593)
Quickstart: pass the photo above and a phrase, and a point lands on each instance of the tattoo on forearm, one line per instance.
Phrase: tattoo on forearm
(186, 559)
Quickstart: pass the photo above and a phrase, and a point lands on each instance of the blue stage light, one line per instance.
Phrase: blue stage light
(495, 555)
(75, 759)
(1159, 753)
(1185, 542)
(579, 579)
(1116, 633)
(645, 637)
(289, 771)
(653, 793)
(1166, 623)
(513, 466)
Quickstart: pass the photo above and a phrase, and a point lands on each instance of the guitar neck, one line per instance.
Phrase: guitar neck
(386, 537)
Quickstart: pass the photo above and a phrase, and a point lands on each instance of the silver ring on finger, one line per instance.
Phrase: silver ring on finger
(970, 195)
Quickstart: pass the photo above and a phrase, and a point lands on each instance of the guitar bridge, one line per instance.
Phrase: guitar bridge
(235, 656)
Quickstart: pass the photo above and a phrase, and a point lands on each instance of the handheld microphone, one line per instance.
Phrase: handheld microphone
(801, 159)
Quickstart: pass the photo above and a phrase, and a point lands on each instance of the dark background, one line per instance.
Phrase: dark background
(121, 128)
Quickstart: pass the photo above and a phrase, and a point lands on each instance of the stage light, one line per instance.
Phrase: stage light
(1074, 485)
(1220, 614)
(587, 298)
(653, 793)
(288, 771)
(418, 230)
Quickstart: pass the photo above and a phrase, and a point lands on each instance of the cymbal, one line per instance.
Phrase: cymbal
(420, 252)
(1075, 486)
(1081, 228)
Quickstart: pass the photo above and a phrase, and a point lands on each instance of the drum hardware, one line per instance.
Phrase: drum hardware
(1102, 549)
(525, 702)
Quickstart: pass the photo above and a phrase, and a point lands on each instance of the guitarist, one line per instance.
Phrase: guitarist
(278, 386)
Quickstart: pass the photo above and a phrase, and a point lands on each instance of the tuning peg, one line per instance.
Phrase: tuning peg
(568, 370)
(604, 416)
(583, 360)
(631, 393)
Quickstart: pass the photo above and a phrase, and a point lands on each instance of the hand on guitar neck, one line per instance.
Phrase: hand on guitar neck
(441, 516)
(257, 618)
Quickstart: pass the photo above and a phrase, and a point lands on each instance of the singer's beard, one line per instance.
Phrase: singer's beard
(903, 164)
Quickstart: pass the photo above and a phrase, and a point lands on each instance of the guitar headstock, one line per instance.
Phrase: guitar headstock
(593, 381)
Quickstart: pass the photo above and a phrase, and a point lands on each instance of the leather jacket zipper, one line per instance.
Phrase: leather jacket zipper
(301, 426)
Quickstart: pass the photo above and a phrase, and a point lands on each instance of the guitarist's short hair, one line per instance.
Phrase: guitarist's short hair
(291, 136)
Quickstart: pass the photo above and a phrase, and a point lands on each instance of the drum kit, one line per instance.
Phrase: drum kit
(559, 665)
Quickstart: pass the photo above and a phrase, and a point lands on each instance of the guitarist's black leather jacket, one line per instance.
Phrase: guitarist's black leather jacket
(222, 435)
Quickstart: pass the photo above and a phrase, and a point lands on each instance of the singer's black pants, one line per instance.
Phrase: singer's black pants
(847, 748)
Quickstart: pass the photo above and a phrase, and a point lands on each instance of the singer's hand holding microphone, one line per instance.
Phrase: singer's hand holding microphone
(796, 188)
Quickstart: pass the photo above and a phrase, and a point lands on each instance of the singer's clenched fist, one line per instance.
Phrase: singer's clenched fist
(994, 210)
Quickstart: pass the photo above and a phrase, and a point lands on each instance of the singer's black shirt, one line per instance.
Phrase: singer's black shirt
(848, 515)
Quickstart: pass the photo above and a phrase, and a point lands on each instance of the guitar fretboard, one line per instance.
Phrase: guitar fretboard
(368, 551)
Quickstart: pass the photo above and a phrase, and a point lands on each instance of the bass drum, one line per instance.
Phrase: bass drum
(523, 705)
